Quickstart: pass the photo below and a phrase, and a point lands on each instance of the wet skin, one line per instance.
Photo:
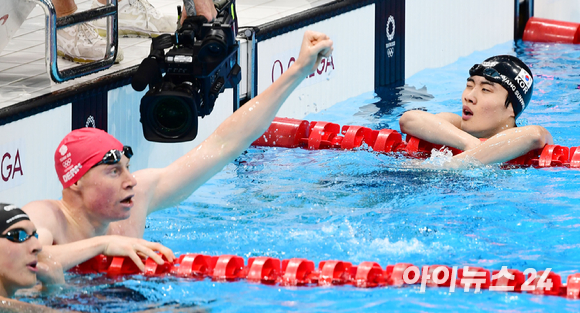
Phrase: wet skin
(18, 261)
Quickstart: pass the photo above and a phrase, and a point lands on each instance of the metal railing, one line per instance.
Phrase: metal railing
(53, 24)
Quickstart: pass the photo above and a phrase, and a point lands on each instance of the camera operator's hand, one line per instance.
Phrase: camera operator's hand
(204, 8)
(315, 46)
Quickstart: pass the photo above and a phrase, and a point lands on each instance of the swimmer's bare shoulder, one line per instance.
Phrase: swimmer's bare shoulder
(49, 219)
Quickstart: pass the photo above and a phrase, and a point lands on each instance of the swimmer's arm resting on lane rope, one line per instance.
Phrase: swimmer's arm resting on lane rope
(509, 144)
(74, 253)
(442, 129)
(173, 184)
(53, 259)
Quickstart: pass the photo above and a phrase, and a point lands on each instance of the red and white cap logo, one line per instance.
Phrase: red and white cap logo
(79, 151)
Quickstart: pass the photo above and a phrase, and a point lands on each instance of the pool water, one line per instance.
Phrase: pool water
(362, 206)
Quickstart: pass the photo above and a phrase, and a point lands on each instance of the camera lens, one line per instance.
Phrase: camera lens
(215, 48)
(172, 115)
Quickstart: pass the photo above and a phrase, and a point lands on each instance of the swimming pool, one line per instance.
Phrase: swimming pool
(360, 206)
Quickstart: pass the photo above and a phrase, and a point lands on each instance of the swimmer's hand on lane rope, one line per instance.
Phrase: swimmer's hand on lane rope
(50, 271)
(315, 46)
(135, 248)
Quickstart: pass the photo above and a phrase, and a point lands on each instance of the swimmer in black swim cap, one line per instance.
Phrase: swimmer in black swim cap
(19, 264)
(20, 248)
(513, 75)
(497, 92)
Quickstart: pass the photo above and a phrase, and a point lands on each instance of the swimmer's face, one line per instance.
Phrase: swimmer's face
(18, 260)
(484, 110)
(108, 190)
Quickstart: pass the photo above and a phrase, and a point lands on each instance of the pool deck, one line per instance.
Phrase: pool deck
(23, 73)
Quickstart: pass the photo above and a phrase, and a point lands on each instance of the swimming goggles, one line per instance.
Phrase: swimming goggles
(488, 72)
(113, 156)
(18, 235)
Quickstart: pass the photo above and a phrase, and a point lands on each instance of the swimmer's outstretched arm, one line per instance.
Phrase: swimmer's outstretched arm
(71, 254)
(171, 185)
(441, 129)
(509, 144)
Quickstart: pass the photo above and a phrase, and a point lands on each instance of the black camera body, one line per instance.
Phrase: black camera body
(202, 62)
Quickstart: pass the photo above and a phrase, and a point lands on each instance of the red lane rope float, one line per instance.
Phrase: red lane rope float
(292, 133)
(544, 30)
(303, 272)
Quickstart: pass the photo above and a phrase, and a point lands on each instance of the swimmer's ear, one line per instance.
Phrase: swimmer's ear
(509, 113)
(510, 109)
(77, 185)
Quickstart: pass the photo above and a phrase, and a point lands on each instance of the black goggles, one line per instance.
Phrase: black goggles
(18, 235)
(488, 72)
(114, 156)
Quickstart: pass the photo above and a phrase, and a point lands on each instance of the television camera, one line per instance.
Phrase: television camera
(201, 62)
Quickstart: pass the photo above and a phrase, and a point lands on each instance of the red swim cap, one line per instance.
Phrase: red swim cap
(80, 150)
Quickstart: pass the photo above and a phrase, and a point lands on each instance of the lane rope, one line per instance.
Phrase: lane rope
(302, 272)
(293, 133)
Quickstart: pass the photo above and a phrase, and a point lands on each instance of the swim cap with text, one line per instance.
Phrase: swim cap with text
(10, 215)
(512, 74)
(79, 151)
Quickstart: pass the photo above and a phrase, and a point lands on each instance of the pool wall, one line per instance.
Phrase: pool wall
(439, 32)
(378, 43)
(562, 10)
(347, 73)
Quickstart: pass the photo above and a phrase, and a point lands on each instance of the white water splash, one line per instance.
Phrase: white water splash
(443, 159)
(405, 248)
(439, 158)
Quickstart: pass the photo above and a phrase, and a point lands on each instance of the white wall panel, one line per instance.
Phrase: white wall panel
(35, 138)
(349, 73)
(439, 32)
(561, 10)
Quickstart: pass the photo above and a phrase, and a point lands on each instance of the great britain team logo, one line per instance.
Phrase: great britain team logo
(63, 149)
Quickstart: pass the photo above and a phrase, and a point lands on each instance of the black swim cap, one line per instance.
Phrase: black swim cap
(513, 74)
(10, 215)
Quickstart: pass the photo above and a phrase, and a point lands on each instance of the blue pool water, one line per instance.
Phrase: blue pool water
(361, 206)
